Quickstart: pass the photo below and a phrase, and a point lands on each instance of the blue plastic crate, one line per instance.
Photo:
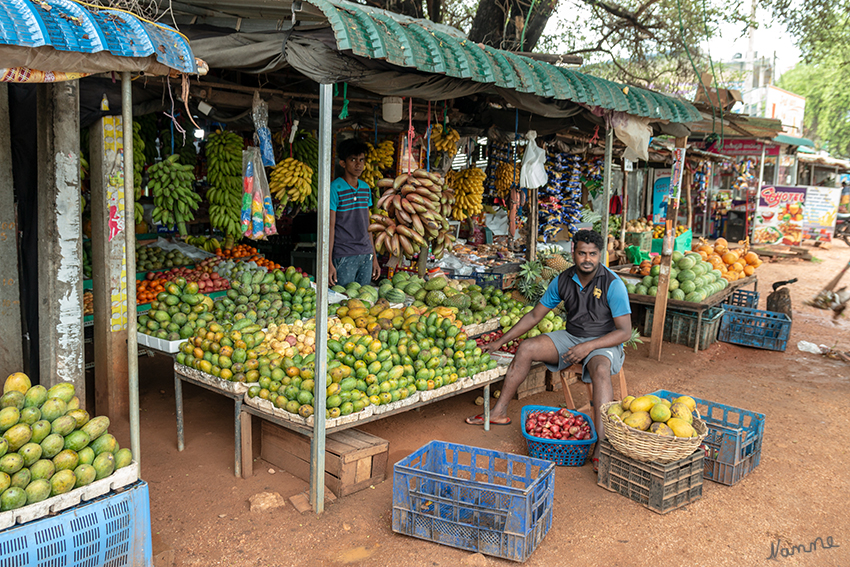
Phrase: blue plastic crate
(562, 453)
(754, 328)
(481, 500)
(680, 327)
(112, 530)
(734, 435)
(744, 298)
(484, 279)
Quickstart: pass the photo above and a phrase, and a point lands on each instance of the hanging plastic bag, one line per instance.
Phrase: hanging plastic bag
(533, 173)
(257, 218)
(260, 114)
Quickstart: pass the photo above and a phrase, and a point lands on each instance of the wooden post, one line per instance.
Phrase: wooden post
(109, 268)
(11, 344)
(421, 264)
(686, 181)
(606, 192)
(660, 314)
(533, 226)
(60, 243)
(625, 207)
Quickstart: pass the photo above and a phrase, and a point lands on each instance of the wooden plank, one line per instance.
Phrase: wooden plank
(331, 444)
(363, 470)
(347, 475)
(364, 453)
(297, 467)
(367, 437)
(379, 466)
(247, 445)
(353, 440)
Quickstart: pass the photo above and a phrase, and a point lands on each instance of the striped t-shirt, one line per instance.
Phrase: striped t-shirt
(351, 231)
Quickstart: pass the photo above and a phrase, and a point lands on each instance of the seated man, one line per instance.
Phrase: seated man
(598, 323)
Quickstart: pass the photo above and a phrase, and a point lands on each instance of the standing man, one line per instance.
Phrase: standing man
(353, 257)
(598, 323)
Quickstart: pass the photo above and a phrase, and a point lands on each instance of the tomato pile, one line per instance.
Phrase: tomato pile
(561, 425)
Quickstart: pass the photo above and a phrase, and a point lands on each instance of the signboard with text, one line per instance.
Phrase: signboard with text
(789, 215)
(819, 213)
(660, 194)
(745, 148)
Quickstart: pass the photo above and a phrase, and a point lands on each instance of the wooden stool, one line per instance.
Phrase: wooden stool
(572, 375)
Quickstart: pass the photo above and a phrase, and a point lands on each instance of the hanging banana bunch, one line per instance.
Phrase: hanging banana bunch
(224, 173)
(468, 186)
(417, 207)
(378, 158)
(174, 199)
(291, 180)
(507, 176)
(305, 148)
(138, 168)
(445, 139)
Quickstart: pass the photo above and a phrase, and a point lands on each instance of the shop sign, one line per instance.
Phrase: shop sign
(746, 148)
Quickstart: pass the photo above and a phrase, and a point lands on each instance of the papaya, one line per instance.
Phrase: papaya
(104, 465)
(21, 478)
(661, 429)
(688, 401)
(31, 453)
(9, 417)
(37, 490)
(42, 469)
(639, 420)
(123, 458)
(17, 381)
(61, 482)
(96, 427)
(86, 456)
(13, 497)
(35, 397)
(53, 408)
(30, 415)
(63, 425)
(683, 412)
(52, 445)
(84, 474)
(17, 436)
(81, 417)
(77, 440)
(12, 399)
(616, 409)
(40, 430)
(659, 413)
(104, 444)
(680, 427)
(641, 404)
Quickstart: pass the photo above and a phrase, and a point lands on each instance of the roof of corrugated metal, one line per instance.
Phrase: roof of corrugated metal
(70, 26)
(420, 44)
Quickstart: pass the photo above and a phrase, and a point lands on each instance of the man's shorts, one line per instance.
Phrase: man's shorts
(564, 341)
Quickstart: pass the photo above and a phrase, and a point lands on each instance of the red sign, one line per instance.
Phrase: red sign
(745, 148)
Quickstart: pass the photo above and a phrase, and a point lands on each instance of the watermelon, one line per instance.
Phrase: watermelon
(686, 275)
(677, 294)
(685, 264)
(641, 289)
(687, 287)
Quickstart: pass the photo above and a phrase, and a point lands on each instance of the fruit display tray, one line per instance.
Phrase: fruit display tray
(269, 407)
(55, 504)
(225, 385)
(170, 347)
(487, 326)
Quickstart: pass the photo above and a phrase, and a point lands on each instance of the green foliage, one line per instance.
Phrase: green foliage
(824, 85)
(821, 27)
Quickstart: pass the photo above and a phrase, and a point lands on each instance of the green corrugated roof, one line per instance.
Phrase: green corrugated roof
(793, 140)
(433, 48)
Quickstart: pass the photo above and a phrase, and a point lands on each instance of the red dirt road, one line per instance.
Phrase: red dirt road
(799, 492)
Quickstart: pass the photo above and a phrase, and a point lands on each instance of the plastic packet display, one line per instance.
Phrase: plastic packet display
(257, 218)
(260, 114)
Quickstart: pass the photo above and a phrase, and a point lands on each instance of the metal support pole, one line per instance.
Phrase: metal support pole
(625, 206)
(130, 248)
(794, 169)
(606, 195)
(533, 226)
(317, 445)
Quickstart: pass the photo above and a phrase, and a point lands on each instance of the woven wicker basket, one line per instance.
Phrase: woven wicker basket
(648, 447)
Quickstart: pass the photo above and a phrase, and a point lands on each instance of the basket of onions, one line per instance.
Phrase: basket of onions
(558, 435)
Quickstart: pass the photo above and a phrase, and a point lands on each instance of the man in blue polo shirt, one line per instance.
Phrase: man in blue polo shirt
(353, 256)
(598, 323)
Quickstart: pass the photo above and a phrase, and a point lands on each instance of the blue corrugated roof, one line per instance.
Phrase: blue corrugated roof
(433, 48)
(69, 26)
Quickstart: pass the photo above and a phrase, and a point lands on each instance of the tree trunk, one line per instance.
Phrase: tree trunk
(490, 28)
(435, 10)
(543, 10)
(488, 24)
(404, 7)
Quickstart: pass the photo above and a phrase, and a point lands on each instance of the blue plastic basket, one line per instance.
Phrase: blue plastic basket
(484, 279)
(744, 298)
(734, 438)
(112, 530)
(562, 453)
(481, 500)
(754, 328)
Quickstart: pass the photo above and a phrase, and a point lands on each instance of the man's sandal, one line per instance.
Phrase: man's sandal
(594, 462)
(479, 420)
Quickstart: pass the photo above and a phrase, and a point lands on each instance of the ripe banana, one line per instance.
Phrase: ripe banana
(305, 148)
(445, 139)
(291, 180)
(175, 201)
(507, 176)
(468, 186)
(377, 159)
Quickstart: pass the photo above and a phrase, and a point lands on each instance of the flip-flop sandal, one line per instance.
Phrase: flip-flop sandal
(479, 420)
(594, 462)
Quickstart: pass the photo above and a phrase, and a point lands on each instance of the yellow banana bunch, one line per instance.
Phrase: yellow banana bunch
(377, 159)
(468, 185)
(445, 139)
(291, 180)
(507, 175)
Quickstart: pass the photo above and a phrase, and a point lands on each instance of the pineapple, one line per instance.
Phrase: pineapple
(517, 295)
(549, 274)
(557, 262)
(530, 282)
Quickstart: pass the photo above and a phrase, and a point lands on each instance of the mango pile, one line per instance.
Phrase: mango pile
(376, 355)
(50, 445)
(278, 296)
(656, 415)
(175, 312)
(229, 351)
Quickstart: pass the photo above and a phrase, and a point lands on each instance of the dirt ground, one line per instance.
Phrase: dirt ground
(200, 514)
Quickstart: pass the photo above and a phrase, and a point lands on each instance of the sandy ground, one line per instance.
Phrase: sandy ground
(201, 517)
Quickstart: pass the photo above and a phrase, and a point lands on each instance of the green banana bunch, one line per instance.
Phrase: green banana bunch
(207, 243)
(138, 168)
(224, 174)
(148, 133)
(174, 199)
(305, 148)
